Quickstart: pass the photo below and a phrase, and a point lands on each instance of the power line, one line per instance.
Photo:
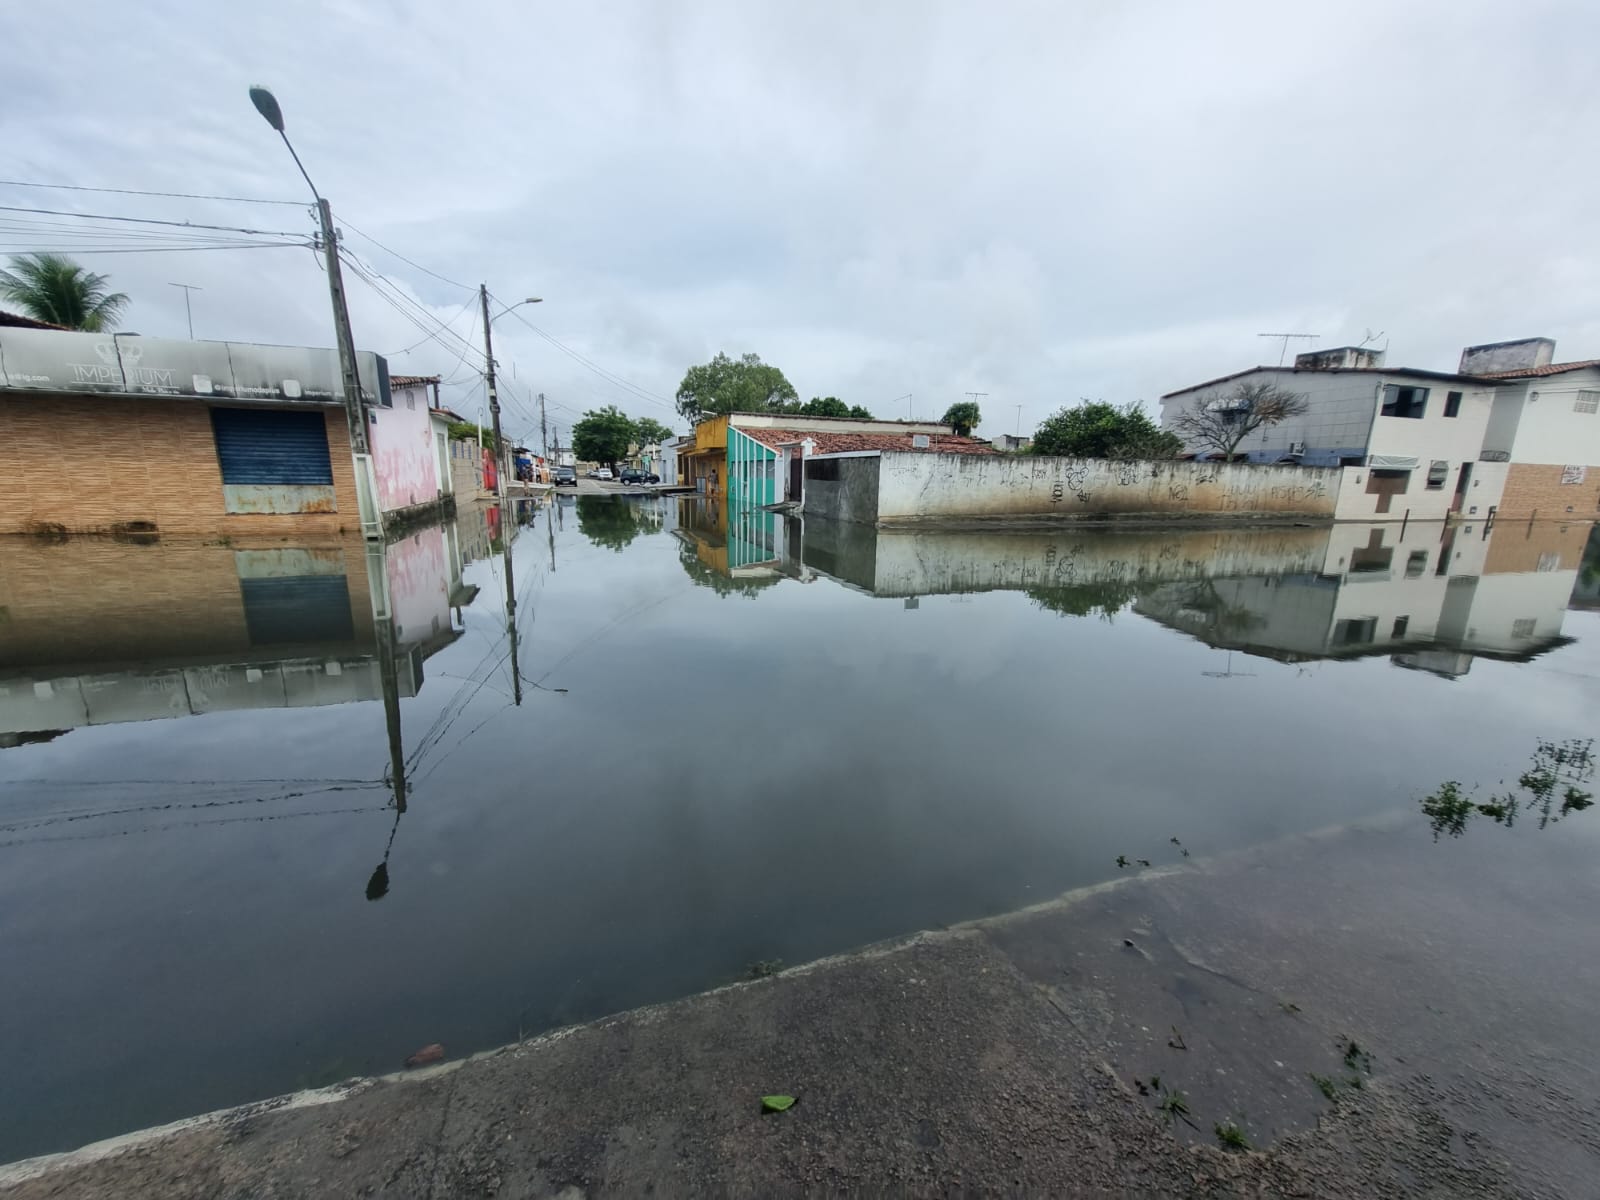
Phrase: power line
(616, 380)
(404, 259)
(449, 325)
(151, 249)
(78, 187)
(57, 212)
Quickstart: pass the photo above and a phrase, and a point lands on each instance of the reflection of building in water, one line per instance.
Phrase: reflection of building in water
(1432, 596)
(740, 542)
(98, 631)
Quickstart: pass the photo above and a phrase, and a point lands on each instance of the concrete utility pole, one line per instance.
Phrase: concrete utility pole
(544, 438)
(187, 311)
(494, 397)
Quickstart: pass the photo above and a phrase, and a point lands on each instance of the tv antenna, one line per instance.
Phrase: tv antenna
(1230, 673)
(1283, 350)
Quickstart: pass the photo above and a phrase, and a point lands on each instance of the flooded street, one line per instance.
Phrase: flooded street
(272, 816)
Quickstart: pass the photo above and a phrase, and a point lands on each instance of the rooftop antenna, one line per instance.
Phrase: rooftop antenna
(1372, 337)
(1284, 349)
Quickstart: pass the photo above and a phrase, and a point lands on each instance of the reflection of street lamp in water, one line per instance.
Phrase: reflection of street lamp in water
(378, 885)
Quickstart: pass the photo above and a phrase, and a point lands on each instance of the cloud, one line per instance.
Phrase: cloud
(1034, 200)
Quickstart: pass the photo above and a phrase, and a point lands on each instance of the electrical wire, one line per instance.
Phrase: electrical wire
(57, 212)
(407, 261)
(78, 187)
(449, 325)
(396, 297)
(615, 380)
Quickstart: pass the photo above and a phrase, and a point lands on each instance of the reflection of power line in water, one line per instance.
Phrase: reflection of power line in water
(95, 837)
(172, 805)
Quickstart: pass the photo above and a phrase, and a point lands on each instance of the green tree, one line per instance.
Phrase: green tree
(825, 406)
(726, 385)
(962, 416)
(50, 287)
(603, 435)
(647, 430)
(860, 413)
(1095, 429)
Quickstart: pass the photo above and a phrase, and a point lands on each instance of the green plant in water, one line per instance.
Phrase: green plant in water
(763, 968)
(1230, 1136)
(1558, 768)
(1326, 1085)
(1172, 1105)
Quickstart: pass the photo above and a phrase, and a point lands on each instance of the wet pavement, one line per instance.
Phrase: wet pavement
(732, 739)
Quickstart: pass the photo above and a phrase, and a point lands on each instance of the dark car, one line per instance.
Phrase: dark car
(635, 475)
(565, 477)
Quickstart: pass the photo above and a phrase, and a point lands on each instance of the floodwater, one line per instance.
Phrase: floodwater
(272, 816)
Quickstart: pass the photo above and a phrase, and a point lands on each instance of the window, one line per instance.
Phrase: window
(1587, 402)
(1400, 401)
(1355, 632)
(1523, 628)
(1452, 404)
(1400, 625)
(1231, 416)
(411, 399)
(1416, 564)
(1438, 472)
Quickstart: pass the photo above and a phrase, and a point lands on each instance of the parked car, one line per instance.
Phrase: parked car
(632, 475)
(603, 473)
(592, 474)
(566, 477)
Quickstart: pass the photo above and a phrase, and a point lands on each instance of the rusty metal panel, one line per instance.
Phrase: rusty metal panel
(278, 498)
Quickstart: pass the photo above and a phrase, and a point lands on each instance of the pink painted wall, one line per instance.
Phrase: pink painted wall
(419, 586)
(402, 451)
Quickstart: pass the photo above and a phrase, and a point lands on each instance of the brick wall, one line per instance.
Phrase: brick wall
(88, 463)
(1537, 488)
(92, 601)
(1517, 549)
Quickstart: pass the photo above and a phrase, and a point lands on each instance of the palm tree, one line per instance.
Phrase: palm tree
(50, 287)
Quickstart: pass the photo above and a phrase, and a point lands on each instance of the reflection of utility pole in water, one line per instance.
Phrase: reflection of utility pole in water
(511, 609)
(1230, 673)
(388, 673)
(550, 529)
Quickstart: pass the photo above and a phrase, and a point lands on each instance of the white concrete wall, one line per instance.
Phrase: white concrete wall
(403, 453)
(932, 562)
(1547, 429)
(917, 486)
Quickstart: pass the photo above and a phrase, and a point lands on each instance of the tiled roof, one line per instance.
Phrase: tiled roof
(18, 321)
(841, 443)
(411, 380)
(1547, 369)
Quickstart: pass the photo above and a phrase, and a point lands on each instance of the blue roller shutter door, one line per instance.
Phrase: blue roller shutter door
(263, 446)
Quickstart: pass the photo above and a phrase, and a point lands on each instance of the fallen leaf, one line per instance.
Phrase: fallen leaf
(777, 1103)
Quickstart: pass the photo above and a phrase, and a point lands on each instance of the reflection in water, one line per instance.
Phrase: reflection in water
(1554, 775)
(614, 521)
(1432, 597)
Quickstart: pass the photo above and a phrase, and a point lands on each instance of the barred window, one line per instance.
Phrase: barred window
(1523, 628)
(1588, 401)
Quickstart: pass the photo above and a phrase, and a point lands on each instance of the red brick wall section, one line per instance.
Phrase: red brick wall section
(1536, 489)
(88, 463)
(1515, 549)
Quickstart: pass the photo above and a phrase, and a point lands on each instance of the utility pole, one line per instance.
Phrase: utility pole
(187, 311)
(1019, 420)
(354, 410)
(494, 397)
(544, 438)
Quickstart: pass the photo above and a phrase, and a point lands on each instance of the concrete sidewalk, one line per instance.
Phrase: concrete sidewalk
(1018, 1055)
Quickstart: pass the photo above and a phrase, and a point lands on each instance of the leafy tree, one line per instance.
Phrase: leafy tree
(50, 287)
(860, 413)
(466, 431)
(726, 385)
(614, 522)
(1104, 599)
(1095, 429)
(603, 435)
(962, 416)
(1220, 423)
(647, 430)
(825, 406)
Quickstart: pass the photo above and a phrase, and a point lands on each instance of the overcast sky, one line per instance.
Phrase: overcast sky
(1038, 201)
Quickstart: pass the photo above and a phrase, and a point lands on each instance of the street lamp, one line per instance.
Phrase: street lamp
(494, 396)
(267, 105)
